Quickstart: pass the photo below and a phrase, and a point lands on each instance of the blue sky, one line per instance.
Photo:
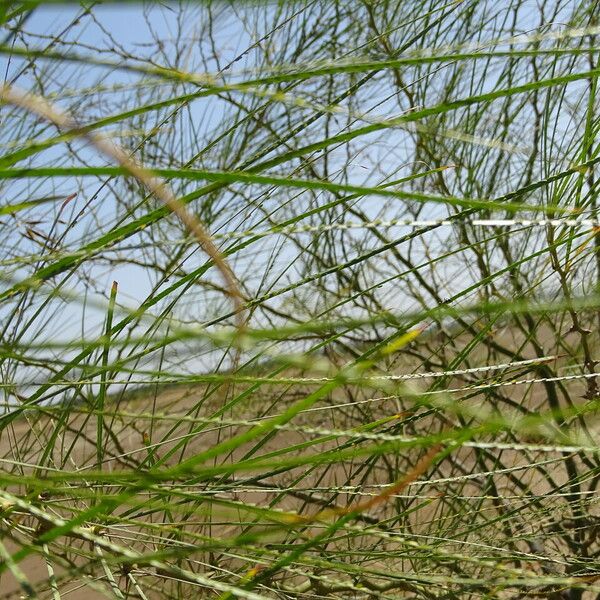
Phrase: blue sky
(133, 28)
(129, 27)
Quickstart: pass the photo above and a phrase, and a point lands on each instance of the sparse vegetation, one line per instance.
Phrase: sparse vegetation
(350, 350)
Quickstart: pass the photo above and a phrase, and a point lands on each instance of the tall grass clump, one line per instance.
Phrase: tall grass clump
(299, 300)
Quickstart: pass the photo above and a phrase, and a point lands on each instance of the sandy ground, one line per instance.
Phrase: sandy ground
(75, 448)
